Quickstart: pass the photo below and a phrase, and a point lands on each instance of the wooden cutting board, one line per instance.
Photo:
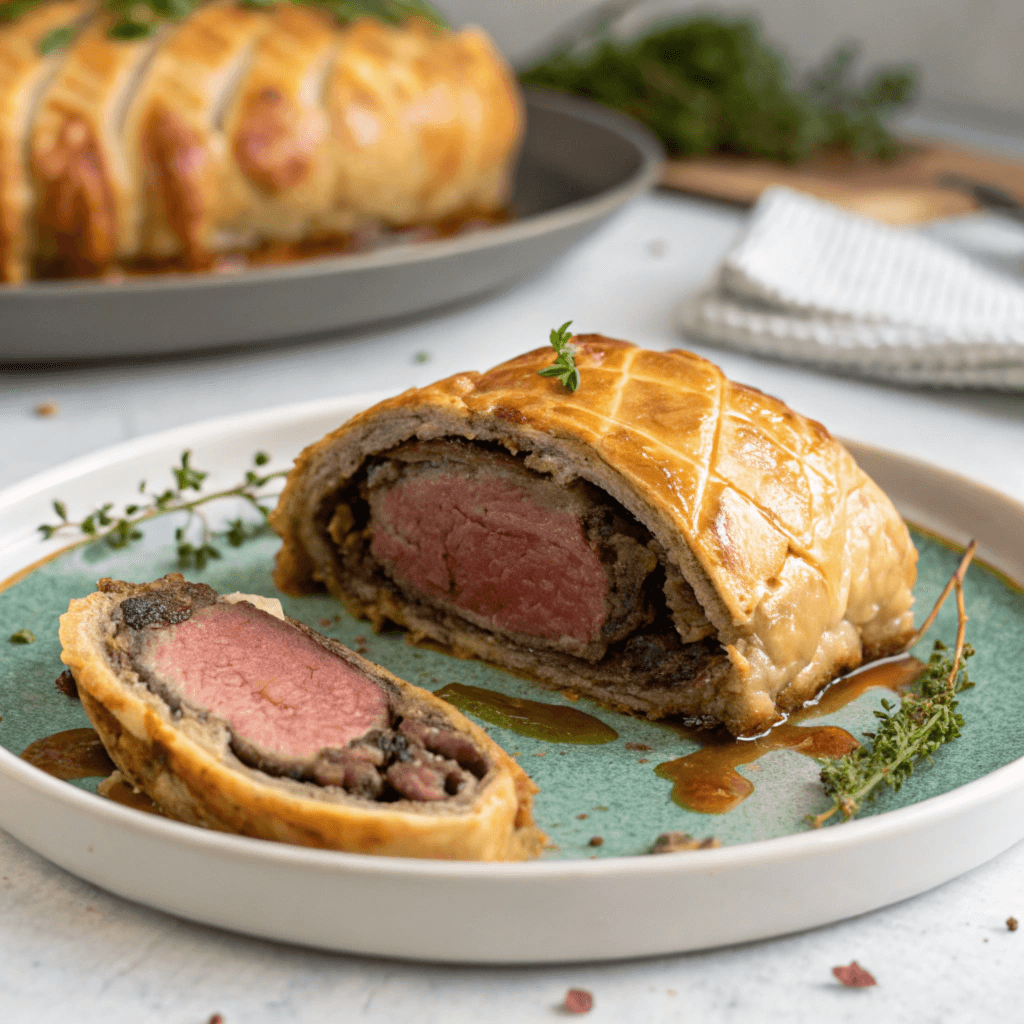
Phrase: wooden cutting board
(903, 191)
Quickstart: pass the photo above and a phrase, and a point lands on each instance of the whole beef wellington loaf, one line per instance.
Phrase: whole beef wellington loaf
(230, 715)
(661, 539)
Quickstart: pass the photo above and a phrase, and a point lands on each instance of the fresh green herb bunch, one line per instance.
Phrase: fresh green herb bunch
(564, 366)
(707, 84)
(194, 540)
(907, 735)
(136, 19)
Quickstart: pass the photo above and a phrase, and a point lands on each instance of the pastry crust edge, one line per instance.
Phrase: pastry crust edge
(193, 785)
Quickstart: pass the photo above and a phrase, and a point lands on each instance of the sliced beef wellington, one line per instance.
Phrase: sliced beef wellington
(24, 74)
(423, 125)
(87, 197)
(174, 129)
(229, 715)
(268, 131)
(280, 175)
(662, 539)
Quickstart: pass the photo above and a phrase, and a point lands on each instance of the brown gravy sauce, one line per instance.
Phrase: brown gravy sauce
(72, 754)
(271, 253)
(79, 754)
(549, 722)
(707, 780)
(122, 792)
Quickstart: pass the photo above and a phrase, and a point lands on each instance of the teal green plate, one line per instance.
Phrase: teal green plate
(598, 801)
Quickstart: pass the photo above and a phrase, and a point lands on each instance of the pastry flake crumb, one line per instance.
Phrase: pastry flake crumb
(597, 841)
(578, 1000)
(1011, 924)
(65, 682)
(637, 746)
(216, 1018)
(582, 817)
(854, 976)
(681, 842)
(23, 636)
(46, 409)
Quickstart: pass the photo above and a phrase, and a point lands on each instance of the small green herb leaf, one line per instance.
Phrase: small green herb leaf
(186, 477)
(127, 30)
(57, 39)
(23, 636)
(564, 366)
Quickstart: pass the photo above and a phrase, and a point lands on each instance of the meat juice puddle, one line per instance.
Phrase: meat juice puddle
(707, 781)
(71, 754)
(551, 723)
(79, 754)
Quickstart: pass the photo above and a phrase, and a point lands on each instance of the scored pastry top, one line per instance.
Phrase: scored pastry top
(799, 561)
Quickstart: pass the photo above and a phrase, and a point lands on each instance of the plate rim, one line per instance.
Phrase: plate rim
(1000, 782)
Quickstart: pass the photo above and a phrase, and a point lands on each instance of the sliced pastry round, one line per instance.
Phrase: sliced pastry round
(230, 715)
(661, 539)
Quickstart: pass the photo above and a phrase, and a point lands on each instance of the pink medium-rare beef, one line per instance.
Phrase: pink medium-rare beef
(293, 703)
(471, 531)
(489, 548)
(274, 686)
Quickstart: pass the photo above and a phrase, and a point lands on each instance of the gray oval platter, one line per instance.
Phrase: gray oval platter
(578, 165)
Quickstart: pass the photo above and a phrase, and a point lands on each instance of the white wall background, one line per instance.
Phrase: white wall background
(970, 52)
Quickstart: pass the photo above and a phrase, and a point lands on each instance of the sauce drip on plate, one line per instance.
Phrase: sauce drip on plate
(72, 754)
(549, 722)
(707, 780)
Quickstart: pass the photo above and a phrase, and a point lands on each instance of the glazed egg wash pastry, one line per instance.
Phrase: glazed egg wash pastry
(155, 143)
(661, 539)
(229, 715)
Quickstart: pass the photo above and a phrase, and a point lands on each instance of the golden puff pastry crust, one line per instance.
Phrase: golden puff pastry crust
(24, 72)
(776, 548)
(185, 762)
(241, 131)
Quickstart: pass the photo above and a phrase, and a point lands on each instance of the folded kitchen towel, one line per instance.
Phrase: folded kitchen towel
(814, 283)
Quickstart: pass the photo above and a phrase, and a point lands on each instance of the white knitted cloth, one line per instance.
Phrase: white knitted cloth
(811, 282)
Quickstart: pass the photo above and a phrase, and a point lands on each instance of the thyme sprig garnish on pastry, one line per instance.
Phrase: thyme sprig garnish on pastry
(912, 730)
(564, 366)
(195, 539)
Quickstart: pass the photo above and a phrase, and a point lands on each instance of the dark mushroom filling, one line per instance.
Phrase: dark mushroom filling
(294, 704)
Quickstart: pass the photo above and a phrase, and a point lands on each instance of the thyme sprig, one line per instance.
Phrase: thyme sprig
(137, 19)
(912, 730)
(194, 539)
(564, 366)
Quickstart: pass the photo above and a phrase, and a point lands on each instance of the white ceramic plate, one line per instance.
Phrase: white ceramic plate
(499, 913)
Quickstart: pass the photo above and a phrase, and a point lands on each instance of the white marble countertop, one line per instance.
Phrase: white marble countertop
(70, 952)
